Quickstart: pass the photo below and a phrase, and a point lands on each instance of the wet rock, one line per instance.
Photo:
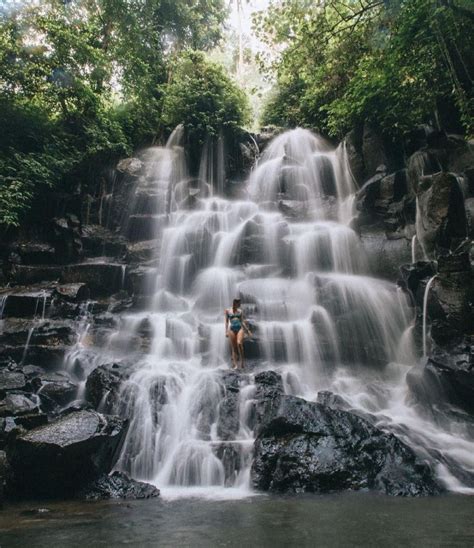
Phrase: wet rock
(56, 459)
(67, 239)
(293, 209)
(385, 255)
(18, 403)
(18, 332)
(441, 218)
(367, 197)
(28, 275)
(25, 302)
(421, 163)
(231, 459)
(414, 274)
(353, 142)
(11, 380)
(42, 355)
(37, 253)
(269, 389)
(130, 166)
(451, 299)
(5, 473)
(103, 278)
(58, 389)
(143, 227)
(73, 292)
(373, 149)
(385, 200)
(140, 252)
(329, 399)
(307, 447)
(117, 486)
(228, 422)
(446, 379)
(142, 280)
(99, 241)
(102, 385)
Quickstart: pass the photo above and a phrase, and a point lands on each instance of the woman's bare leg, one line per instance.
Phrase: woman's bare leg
(233, 347)
(240, 345)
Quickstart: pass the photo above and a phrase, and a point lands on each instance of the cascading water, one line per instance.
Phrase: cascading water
(319, 318)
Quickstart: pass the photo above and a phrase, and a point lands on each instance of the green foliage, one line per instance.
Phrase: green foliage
(82, 82)
(396, 63)
(203, 98)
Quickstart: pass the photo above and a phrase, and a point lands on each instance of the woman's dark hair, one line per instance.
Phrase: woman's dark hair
(235, 302)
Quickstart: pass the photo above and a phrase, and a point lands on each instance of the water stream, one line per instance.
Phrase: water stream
(284, 246)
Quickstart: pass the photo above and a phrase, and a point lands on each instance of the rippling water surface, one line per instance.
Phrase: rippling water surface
(353, 519)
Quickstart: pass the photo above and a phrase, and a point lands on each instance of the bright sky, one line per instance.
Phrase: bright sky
(248, 8)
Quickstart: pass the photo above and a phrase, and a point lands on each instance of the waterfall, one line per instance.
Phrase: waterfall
(319, 317)
(425, 313)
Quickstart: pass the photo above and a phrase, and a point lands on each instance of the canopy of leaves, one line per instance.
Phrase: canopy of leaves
(396, 63)
(203, 98)
(82, 82)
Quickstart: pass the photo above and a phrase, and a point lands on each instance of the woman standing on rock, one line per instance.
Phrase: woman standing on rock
(234, 330)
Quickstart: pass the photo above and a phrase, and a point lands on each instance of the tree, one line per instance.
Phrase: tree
(394, 62)
(203, 98)
(82, 82)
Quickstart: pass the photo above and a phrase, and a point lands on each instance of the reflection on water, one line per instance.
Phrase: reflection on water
(351, 519)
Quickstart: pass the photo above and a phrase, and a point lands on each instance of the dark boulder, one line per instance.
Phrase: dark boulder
(18, 403)
(307, 447)
(57, 389)
(269, 389)
(385, 255)
(102, 386)
(142, 280)
(73, 292)
(421, 163)
(99, 241)
(27, 275)
(117, 486)
(446, 378)
(441, 217)
(132, 167)
(67, 238)
(329, 399)
(5, 473)
(55, 459)
(24, 302)
(36, 253)
(414, 274)
(143, 226)
(11, 380)
(102, 277)
(140, 252)
(228, 422)
(353, 144)
(373, 149)
(451, 299)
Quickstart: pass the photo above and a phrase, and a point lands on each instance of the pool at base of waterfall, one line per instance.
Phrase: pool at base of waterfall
(348, 519)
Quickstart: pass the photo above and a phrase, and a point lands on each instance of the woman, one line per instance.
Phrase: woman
(234, 330)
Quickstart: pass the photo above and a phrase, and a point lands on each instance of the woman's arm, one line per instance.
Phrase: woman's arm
(226, 323)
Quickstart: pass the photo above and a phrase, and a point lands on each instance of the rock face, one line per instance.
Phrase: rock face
(117, 486)
(308, 447)
(102, 386)
(441, 220)
(56, 459)
(447, 376)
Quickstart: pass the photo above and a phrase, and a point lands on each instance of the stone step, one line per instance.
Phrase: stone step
(144, 227)
(102, 277)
